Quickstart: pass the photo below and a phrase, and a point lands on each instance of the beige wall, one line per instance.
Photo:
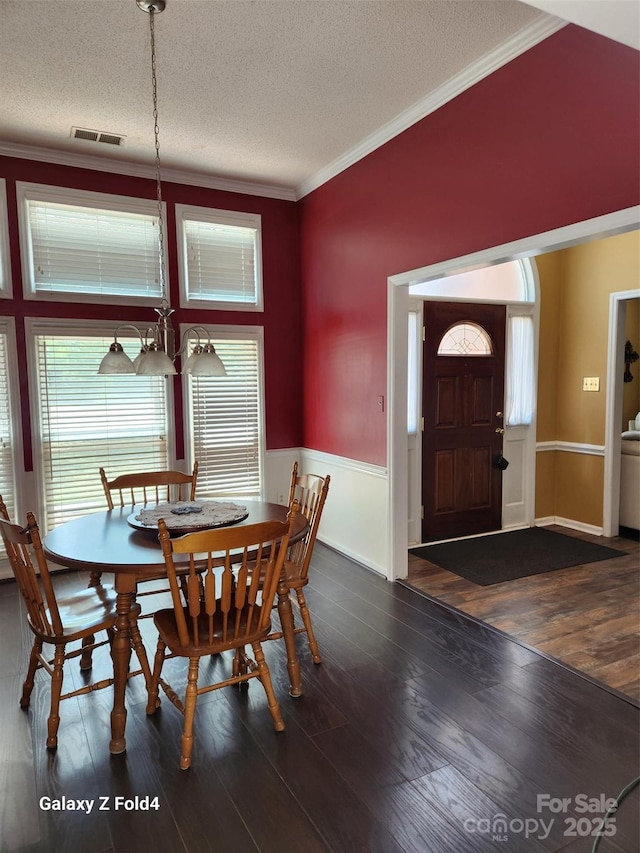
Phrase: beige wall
(574, 328)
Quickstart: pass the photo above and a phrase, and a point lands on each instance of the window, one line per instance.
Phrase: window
(521, 391)
(220, 258)
(85, 421)
(465, 339)
(5, 268)
(9, 432)
(88, 246)
(225, 417)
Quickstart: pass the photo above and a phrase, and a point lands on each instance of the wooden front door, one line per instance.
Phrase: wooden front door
(463, 401)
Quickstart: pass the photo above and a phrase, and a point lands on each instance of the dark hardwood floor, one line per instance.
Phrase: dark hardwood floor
(422, 730)
(586, 616)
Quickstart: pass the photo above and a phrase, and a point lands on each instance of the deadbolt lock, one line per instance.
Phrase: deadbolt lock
(499, 414)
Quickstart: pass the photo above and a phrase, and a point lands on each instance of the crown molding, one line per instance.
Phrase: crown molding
(523, 40)
(139, 170)
(527, 37)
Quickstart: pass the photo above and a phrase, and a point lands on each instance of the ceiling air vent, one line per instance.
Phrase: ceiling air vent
(97, 136)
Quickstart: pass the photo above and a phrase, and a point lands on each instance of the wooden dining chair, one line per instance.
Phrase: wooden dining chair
(228, 607)
(310, 492)
(58, 620)
(150, 487)
(142, 488)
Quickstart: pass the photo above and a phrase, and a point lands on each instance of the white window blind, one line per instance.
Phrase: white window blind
(88, 421)
(7, 449)
(226, 418)
(220, 257)
(83, 248)
(521, 392)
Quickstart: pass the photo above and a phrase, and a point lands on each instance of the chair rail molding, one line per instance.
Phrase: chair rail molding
(571, 447)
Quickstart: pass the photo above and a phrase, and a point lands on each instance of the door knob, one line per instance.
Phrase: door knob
(499, 431)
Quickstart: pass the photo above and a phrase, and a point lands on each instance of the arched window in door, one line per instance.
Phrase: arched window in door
(465, 339)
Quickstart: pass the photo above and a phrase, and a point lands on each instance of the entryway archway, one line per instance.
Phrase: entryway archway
(456, 464)
(397, 339)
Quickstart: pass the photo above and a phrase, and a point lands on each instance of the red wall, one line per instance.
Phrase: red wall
(281, 281)
(550, 139)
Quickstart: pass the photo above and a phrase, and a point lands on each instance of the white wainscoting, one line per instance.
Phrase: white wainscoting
(355, 518)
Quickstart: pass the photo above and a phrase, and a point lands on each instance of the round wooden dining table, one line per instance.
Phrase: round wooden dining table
(105, 542)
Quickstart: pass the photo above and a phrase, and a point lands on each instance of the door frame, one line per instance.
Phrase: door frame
(612, 440)
(518, 492)
(397, 337)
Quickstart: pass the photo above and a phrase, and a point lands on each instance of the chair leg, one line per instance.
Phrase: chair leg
(56, 689)
(240, 666)
(86, 658)
(27, 687)
(153, 700)
(306, 619)
(265, 679)
(286, 621)
(190, 699)
(138, 647)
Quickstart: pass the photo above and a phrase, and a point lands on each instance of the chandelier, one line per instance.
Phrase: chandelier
(157, 343)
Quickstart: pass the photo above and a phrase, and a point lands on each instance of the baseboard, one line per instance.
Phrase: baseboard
(353, 555)
(593, 529)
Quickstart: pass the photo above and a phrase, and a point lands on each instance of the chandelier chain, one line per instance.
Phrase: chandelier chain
(156, 134)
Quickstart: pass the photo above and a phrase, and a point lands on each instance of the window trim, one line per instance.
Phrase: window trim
(8, 328)
(222, 332)
(223, 217)
(26, 191)
(69, 327)
(6, 283)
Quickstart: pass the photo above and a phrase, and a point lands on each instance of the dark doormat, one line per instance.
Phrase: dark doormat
(507, 556)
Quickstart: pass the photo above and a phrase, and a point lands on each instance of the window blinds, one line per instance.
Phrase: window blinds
(225, 415)
(7, 473)
(88, 421)
(221, 261)
(89, 250)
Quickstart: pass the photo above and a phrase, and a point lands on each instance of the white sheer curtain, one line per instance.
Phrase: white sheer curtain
(520, 376)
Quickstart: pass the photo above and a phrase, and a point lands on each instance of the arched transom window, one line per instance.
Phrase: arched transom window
(465, 339)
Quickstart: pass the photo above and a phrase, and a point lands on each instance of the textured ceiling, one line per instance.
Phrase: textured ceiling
(269, 91)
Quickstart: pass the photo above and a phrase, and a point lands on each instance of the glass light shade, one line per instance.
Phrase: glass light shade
(187, 367)
(155, 363)
(138, 359)
(208, 364)
(116, 361)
